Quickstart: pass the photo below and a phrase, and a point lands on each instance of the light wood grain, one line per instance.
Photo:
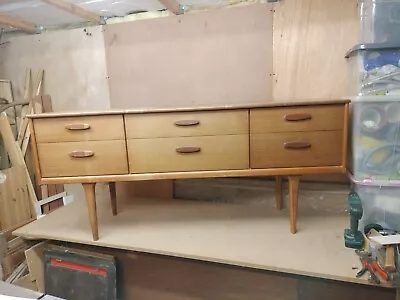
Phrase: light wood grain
(293, 202)
(328, 117)
(90, 197)
(185, 108)
(346, 121)
(310, 39)
(216, 153)
(109, 158)
(35, 259)
(268, 150)
(197, 174)
(14, 198)
(205, 123)
(100, 128)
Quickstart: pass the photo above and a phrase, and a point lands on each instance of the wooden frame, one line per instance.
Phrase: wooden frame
(18, 23)
(293, 173)
(76, 10)
(173, 6)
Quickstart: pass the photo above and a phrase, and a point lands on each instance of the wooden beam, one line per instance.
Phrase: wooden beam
(18, 23)
(172, 6)
(75, 10)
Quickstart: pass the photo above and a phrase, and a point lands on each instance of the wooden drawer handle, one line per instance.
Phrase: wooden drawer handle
(188, 149)
(297, 145)
(81, 154)
(187, 123)
(297, 117)
(77, 126)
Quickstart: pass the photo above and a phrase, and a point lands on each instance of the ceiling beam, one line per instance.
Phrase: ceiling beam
(18, 23)
(75, 10)
(172, 6)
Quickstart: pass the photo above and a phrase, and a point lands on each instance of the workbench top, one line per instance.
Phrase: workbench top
(243, 235)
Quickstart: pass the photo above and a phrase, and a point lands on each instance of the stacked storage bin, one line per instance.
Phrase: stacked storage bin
(375, 84)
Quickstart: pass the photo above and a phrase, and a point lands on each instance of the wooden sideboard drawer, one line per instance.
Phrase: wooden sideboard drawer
(158, 125)
(83, 158)
(296, 149)
(74, 129)
(202, 153)
(307, 118)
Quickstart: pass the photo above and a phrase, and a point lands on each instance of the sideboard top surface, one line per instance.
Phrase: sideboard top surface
(190, 109)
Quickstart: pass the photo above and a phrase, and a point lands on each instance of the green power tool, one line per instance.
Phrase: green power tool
(353, 238)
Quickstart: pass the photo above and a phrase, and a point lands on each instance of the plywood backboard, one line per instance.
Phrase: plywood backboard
(73, 62)
(214, 57)
(311, 38)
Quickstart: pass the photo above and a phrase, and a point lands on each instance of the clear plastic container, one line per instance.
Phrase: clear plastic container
(374, 69)
(380, 204)
(375, 138)
(380, 21)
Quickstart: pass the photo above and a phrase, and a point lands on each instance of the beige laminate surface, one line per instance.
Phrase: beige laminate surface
(252, 236)
(301, 102)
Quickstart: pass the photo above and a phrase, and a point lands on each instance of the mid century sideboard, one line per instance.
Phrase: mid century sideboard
(277, 139)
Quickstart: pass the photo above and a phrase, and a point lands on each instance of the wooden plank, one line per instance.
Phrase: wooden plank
(35, 259)
(75, 10)
(16, 157)
(196, 174)
(18, 23)
(310, 40)
(15, 206)
(18, 272)
(232, 63)
(26, 283)
(173, 6)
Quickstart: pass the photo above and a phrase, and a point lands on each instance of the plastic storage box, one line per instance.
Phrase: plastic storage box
(375, 69)
(375, 138)
(380, 21)
(381, 205)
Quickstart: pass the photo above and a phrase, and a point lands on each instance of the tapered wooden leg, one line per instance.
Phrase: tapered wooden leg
(91, 205)
(113, 196)
(278, 192)
(293, 200)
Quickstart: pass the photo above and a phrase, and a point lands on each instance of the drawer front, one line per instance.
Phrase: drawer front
(188, 154)
(177, 124)
(75, 129)
(83, 158)
(307, 118)
(296, 149)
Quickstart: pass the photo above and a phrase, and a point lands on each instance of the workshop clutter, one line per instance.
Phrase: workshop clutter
(375, 69)
(375, 153)
(380, 205)
(379, 20)
(374, 63)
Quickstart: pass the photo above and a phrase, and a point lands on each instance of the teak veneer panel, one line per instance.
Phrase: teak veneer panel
(309, 118)
(225, 152)
(268, 150)
(93, 128)
(109, 158)
(156, 125)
